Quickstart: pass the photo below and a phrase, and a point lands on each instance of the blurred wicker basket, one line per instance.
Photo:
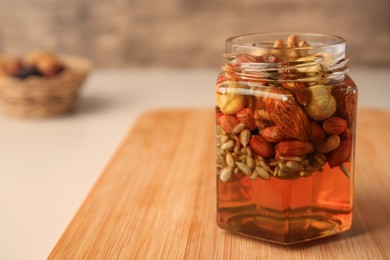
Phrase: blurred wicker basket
(44, 97)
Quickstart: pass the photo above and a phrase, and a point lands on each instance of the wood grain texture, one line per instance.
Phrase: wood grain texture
(156, 199)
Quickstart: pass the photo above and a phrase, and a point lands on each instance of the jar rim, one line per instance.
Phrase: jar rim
(265, 40)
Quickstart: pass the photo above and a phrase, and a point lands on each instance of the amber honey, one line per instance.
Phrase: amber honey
(287, 211)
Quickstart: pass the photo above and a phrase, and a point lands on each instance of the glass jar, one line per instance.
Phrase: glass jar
(286, 119)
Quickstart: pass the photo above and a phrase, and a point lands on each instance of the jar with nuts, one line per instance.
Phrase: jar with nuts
(286, 120)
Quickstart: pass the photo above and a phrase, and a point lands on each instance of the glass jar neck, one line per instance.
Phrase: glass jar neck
(276, 57)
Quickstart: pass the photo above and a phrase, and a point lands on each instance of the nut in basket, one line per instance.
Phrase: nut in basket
(42, 84)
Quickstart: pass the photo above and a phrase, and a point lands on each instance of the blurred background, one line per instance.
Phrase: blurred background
(185, 33)
(146, 55)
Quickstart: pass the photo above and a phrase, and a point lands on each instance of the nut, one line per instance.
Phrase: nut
(228, 145)
(250, 162)
(245, 169)
(295, 166)
(295, 158)
(261, 146)
(288, 115)
(334, 125)
(273, 134)
(228, 122)
(237, 146)
(292, 41)
(265, 166)
(238, 128)
(229, 72)
(279, 44)
(253, 176)
(305, 173)
(303, 43)
(224, 138)
(246, 116)
(322, 104)
(332, 142)
(346, 134)
(293, 148)
(11, 66)
(261, 124)
(303, 51)
(319, 159)
(269, 58)
(221, 78)
(228, 101)
(229, 159)
(245, 58)
(262, 173)
(248, 151)
(49, 66)
(341, 154)
(346, 99)
(289, 81)
(305, 163)
(302, 96)
(317, 135)
(244, 137)
(345, 170)
(225, 174)
(309, 64)
(262, 115)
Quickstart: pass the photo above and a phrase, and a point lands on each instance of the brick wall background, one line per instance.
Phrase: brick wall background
(184, 33)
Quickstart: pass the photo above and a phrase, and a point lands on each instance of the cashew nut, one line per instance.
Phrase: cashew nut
(227, 100)
(330, 144)
(322, 104)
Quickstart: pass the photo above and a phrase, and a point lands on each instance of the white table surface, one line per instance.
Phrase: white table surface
(47, 167)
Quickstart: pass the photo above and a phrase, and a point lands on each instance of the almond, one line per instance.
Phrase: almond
(302, 96)
(317, 135)
(221, 78)
(288, 115)
(350, 105)
(341, 154)
(289, 81)
(293, 148)
(245, 58)
(346, 99)
(228, 122)
(301, 93)
(261, 146)
(246, 116)
(290, 84)
(334, 125)
(273, 134)
(262, 115)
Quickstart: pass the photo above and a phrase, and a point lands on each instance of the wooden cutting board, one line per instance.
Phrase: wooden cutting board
(157, 199)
